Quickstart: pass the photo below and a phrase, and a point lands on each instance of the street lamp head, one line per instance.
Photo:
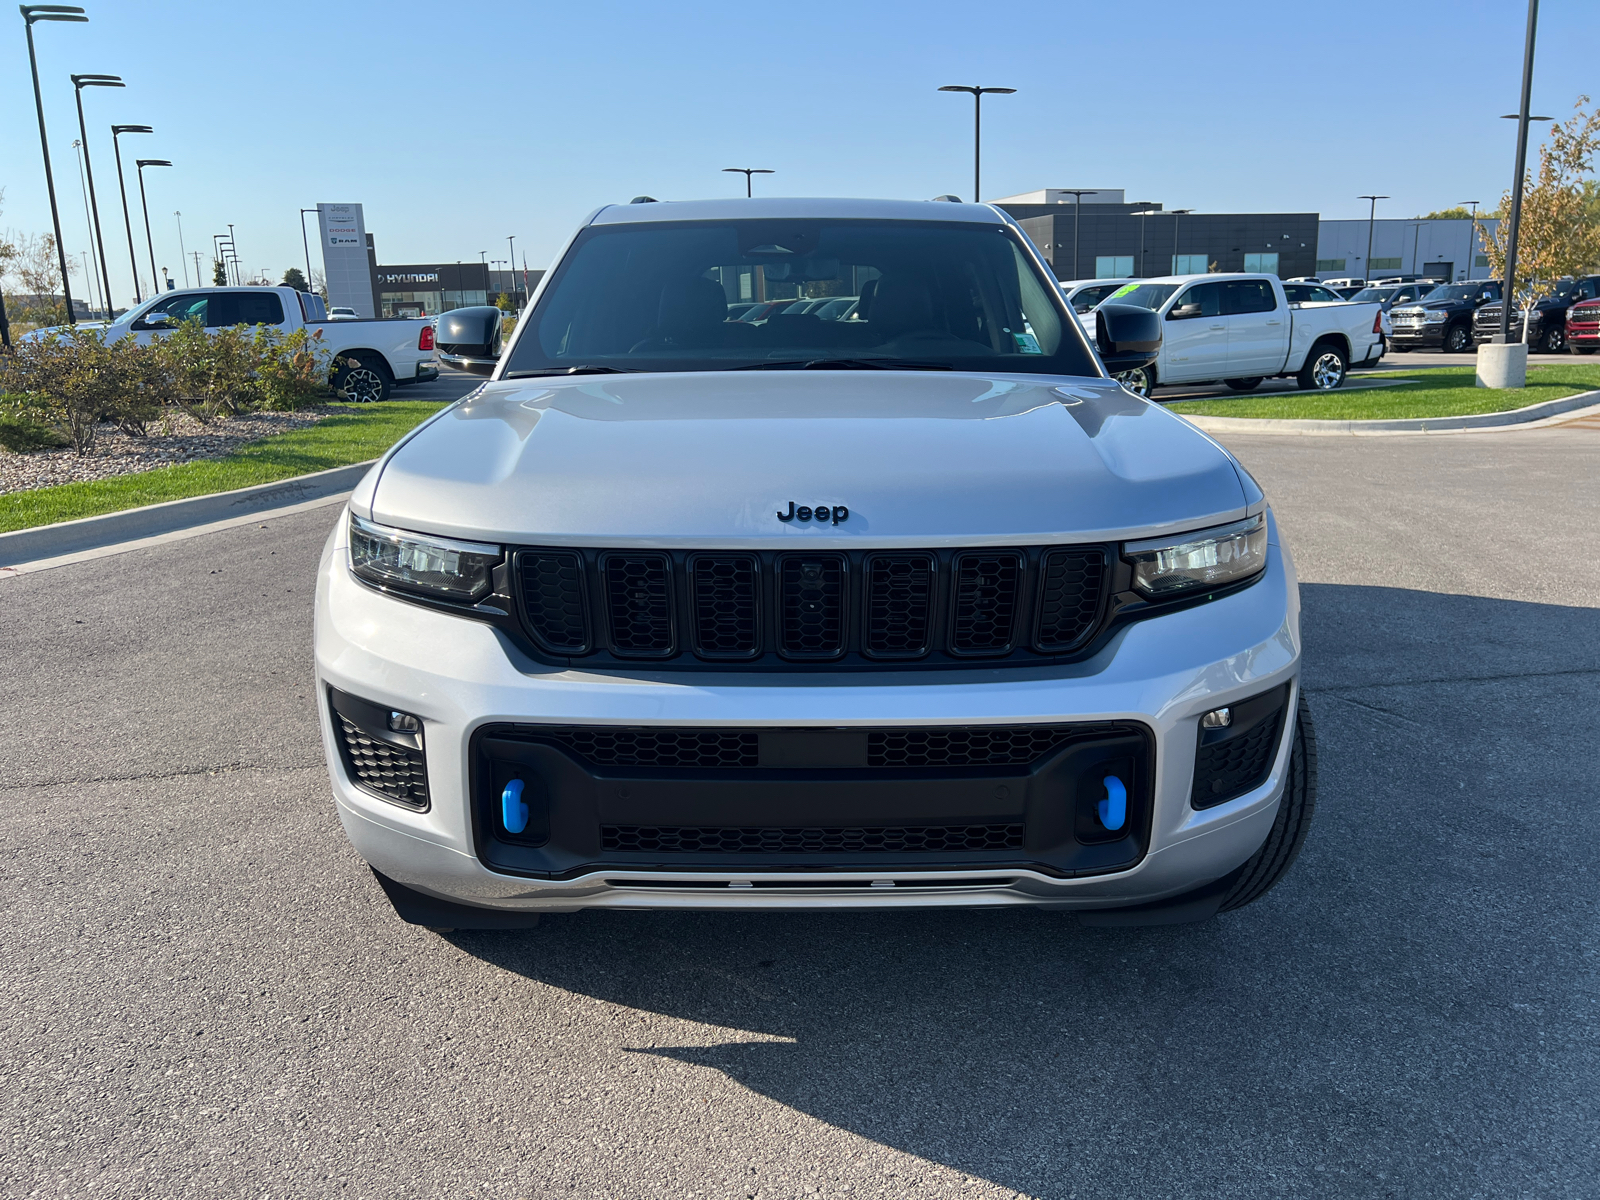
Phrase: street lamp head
(1178, 212)
(1518, 117)
(978, 91)
(51, 12)
(152, 162)
(82, 81)
(115, 129)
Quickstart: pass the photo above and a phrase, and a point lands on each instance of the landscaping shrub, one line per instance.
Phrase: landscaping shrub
(73, 383)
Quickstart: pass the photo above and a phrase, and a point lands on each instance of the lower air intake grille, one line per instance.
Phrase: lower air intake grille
(986, 603)
(649, 839)
(394, 772)
(635, 747)
(639, 604)
(1232, 767)
(966, 746)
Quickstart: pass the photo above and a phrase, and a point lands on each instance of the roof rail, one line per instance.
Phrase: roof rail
(643, 200)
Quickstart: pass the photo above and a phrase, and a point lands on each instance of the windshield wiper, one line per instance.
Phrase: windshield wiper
(843, 364)
(585, 369)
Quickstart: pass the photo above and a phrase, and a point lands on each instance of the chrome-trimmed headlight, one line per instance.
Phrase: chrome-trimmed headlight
(1194, 562)
(422, 563)
(1434, 316)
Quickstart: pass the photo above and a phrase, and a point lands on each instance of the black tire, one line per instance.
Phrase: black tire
(1271, 863)
(1324, 369)
(1244, 385)
(1457, 340)
(1553, 341)
(1580, 349)
(362, 379)
(1139, 381)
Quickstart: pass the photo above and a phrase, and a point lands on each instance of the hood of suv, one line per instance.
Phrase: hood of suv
(703, 459)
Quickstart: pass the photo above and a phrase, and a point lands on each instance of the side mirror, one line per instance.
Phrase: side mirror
(1183, 312)
(1127, 336)
(154, 321)
(469, 338)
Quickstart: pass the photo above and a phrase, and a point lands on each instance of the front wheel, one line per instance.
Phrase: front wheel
(1324, 369)
(1457, 340)
(1244, 385)
(1277, 854)
(1554, 341)
(360, 380)
(1139, 381)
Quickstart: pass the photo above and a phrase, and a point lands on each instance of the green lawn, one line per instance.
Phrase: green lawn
(353, 435)
(1440, 392)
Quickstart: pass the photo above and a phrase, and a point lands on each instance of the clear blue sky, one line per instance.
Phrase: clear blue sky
(458, 124)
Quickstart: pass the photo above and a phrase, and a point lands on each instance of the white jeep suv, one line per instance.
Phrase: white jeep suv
(914, 606)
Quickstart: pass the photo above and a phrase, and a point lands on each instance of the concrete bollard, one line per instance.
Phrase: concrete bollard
(1503, 365)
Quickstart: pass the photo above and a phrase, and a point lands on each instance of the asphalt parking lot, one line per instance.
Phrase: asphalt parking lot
(1412, 360)
(205, 994)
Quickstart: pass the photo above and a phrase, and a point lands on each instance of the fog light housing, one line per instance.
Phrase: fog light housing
(1217, 718)
(401, 722)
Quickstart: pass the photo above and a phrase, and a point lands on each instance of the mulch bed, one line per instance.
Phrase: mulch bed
(174, 438)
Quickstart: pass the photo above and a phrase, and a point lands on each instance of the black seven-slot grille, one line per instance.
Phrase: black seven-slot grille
(764, 608)
(887, 839)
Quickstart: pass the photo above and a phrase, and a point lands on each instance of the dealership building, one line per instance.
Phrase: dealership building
(1090, 233)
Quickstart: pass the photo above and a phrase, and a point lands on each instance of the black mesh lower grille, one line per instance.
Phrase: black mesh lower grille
(812, 605)
(1233, 767)
(639, 604)
(553, 600)
(985, 602)
(726, 603)
(394, 772)
(939, 746)
(1069, 597)
(899, 602)
(646, 839)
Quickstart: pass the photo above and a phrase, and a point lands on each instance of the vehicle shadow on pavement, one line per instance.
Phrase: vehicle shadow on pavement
(1410, 1013)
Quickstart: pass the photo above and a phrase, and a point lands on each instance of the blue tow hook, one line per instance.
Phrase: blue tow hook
(1114, 808)
(514, 813)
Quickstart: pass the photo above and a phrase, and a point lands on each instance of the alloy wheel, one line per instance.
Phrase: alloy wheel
(362, 385)
(1136, 381)
(1328, 373)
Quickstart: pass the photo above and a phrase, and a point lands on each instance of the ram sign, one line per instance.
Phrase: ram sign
(344, 258)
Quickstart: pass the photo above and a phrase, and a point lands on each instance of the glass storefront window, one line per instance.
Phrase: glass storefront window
(1113, 266)
(1266, 264)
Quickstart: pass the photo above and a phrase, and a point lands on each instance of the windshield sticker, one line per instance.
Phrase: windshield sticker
(1027, 343)
(1122, 291)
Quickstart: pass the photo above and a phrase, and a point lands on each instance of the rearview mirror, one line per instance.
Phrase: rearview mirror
(1127, 336)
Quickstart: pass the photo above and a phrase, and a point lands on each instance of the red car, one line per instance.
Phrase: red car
(1583, 327)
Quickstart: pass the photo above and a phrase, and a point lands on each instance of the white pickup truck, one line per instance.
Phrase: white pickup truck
(373, 355)
(1241, 329)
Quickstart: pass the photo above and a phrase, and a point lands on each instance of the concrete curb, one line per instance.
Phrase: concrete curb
(132, 524)
(1534, 414)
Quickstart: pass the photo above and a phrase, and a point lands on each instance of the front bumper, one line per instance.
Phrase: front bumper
(1418, 337)
(469, 686)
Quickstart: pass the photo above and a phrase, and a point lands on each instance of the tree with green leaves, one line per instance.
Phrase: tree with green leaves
(1560, 232)
(503, 302)
(293, 278)
(219, 273)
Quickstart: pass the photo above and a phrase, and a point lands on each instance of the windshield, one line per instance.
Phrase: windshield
(1379, 294)
(929, 295)
(1143, 295)
(1458, 291)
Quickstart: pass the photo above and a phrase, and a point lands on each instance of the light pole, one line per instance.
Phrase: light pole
(497, 262)
(127, 221)
(1176, 213)
(747, 172)
(183, 254)
(1372, 215)
(238, 277)
(1472, 236)
(1077, 195)
(90, 275)
(1148, 212)
(977, 94)
(148, 241)
(30, 14)
(1416, 240)
(79, 82)
(304, 242)
(1522, 119)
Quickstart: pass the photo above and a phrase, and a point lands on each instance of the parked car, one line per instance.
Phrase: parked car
(1310, 293)
(921, 609)
(1442, 320)
(757, 313)
(1340, 284)
(1387, 297)
(739, 308)
(1548, 332)
(1583, 327)
(341, 313)
(1084, 294)
(837, 309)
(374, 354)
(1241, 329)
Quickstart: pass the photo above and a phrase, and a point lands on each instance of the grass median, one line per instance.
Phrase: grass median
(352, 435)
(1439, 392)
